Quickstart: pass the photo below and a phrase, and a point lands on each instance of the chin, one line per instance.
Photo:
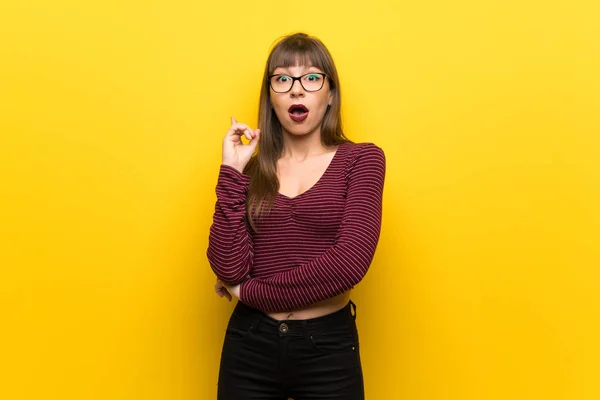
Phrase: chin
(300, 129)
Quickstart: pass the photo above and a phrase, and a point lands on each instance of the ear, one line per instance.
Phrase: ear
(330, 100)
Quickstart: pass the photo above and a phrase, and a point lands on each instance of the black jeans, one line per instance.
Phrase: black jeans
(267, 359)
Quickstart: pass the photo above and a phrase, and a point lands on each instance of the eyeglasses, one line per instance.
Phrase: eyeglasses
(311, 82)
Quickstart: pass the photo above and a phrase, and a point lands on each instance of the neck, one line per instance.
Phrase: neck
(302, 147)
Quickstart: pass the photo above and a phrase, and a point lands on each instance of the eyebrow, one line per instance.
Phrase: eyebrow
(310, 70)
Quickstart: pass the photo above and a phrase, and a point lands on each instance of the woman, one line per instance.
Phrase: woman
(295, 228)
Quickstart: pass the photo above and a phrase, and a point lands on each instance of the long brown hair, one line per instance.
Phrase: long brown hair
(294, 49)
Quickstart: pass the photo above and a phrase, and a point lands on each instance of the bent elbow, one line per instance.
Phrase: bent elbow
(229, 272)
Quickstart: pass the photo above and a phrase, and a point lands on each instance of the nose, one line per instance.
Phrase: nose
(297, 89)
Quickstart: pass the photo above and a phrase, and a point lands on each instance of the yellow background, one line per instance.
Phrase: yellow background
(485, 284)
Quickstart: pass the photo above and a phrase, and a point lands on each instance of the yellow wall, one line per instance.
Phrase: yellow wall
(485, 284)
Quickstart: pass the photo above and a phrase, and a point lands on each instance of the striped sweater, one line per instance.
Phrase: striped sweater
(310, 247)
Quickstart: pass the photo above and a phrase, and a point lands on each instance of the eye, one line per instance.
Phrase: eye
(313, 77)
(283, 78)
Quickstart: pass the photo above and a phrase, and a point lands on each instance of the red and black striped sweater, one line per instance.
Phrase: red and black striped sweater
(310, 247)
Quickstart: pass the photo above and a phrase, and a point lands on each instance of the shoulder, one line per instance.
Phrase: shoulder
(364, 153)
(364, 164)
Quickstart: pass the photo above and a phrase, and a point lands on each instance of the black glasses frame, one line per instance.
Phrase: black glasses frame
(298, 78)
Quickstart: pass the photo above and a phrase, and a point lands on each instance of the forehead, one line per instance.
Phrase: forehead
(293, 59)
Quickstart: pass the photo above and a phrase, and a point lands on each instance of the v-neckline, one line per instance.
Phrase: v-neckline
(333, 159)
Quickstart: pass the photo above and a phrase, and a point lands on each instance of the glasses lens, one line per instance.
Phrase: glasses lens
(312, 82)
(281, 83)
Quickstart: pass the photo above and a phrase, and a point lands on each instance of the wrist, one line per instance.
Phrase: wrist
(238, 168)
(243, 287)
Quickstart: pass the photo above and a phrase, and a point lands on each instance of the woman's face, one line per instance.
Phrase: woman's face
(301, 112)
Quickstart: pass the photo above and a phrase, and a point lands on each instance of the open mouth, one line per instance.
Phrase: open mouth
(298, 112)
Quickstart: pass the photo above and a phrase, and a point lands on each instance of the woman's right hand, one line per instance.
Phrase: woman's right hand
(235, 153)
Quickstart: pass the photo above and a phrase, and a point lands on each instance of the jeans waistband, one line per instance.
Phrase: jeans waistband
(262, 321)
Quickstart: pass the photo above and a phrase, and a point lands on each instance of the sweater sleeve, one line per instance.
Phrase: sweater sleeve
(346, 263)
(230, 248)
